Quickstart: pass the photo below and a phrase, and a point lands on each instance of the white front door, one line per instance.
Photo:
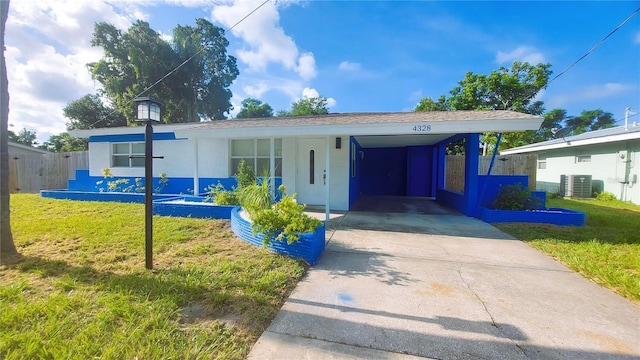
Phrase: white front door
(311, 176)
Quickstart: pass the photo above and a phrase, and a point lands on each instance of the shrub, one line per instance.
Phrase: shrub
(245, 176)
(218, 195)
(255, 197)
(284, 220)
(515, 197)
(606, 196)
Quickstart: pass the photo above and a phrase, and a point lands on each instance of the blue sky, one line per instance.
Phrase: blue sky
(364, 56)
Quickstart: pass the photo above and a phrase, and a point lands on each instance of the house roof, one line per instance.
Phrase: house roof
(592, 137)
(27, 147)
(408, 128)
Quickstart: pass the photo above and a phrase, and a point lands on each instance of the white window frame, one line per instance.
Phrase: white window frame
(253, 159)
(131, 162)
(542, 164)
(583, 159)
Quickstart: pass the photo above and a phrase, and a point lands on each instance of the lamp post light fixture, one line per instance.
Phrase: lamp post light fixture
(148, 111)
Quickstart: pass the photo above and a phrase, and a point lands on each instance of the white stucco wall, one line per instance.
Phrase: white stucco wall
(213, 158)
(605, 167)
(177, 162)
(339, 171)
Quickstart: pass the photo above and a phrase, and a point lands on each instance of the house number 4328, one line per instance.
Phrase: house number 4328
(422, 128)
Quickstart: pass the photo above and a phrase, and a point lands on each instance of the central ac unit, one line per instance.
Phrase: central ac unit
(578, 186)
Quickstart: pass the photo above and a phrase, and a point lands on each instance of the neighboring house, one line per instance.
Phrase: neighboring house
(326, 159)
(609, 158)
(20, 149)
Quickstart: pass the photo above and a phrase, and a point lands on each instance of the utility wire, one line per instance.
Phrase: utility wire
(596, 46)
(224, 32)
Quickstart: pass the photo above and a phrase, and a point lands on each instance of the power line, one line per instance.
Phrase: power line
(596, 46)
(224, 32)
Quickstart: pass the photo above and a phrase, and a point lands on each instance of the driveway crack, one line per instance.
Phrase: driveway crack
(493, 321)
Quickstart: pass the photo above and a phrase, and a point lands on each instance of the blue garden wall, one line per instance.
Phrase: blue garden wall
(175, 185)
(489, 186)
(309, 247)
(191, 206)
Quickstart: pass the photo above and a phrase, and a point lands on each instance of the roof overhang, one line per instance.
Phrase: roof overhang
(370, 129)
(569, 143)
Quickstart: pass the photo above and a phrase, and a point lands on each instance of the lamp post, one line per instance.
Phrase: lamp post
(148, 111)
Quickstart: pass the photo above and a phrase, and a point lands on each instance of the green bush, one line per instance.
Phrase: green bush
(284, 220)
(255, 197)
(515, 197)
(606, 196)
(246, 176)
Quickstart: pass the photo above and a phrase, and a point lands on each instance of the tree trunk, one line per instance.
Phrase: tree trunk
(7, 246)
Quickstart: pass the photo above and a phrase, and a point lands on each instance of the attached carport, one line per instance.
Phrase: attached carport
(339, 157)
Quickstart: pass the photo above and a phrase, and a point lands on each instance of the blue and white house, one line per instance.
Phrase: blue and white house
(588, 163)
(327, 160)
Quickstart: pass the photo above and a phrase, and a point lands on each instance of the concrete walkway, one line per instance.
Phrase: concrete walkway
(439, 285)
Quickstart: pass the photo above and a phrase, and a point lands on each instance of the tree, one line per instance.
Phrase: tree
(307, 106)
(24, 137)
(196, 62)
(253, 108)
(64, 142)
(7, 247)
(427, 104)
(89, 112)
(506, 89)
(590, 120)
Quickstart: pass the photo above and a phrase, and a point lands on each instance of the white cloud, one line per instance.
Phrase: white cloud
(522, 53)
(48, 47)
(349, 66)
(256, 90)
(265, 39)
(604, 91)
(307, 66)
(312, 93)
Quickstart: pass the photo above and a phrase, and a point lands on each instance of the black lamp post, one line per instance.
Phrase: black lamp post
(148, 111)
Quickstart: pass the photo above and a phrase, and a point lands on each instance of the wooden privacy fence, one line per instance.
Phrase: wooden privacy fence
(34, 172)
(519, 164)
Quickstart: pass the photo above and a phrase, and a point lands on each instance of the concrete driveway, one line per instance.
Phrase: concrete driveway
(434, 284)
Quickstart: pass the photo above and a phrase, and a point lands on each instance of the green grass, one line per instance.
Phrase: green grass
(605, 250)
(80, 290)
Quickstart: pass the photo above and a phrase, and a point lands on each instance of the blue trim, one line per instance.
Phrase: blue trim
(193, 206)
(131, 137)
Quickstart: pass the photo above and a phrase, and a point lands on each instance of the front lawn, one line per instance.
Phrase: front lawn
(80, 289)
(606, 250)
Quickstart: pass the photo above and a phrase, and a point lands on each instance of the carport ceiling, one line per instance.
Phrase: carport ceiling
(384, 141)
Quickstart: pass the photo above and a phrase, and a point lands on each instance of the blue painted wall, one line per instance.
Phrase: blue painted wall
(354, 181)
(132, 137)
(384, 172)
(490, 185)
(176, 185)
(420, 171)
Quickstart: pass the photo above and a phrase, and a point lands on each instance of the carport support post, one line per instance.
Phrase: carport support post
(327, 188)
(471, 162)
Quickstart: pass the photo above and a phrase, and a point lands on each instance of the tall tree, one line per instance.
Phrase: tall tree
(427, 104)
(200, 71)
(505, 89)
(590, 120)
(89, 112)
(24, 137)
(7, 247)
(64, 142)
(253, 108)
(307, 106)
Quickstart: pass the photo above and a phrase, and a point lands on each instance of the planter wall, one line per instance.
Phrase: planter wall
(309, 247)
(556, 216)
(191, 206)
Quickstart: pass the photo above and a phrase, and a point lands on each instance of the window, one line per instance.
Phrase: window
(542, 164)
(256, 153)
(120, 153)
(583, 158)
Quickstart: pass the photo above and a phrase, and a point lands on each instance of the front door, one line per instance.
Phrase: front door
(311, 175)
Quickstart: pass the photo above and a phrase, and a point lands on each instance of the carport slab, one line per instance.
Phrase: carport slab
(445, 293)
